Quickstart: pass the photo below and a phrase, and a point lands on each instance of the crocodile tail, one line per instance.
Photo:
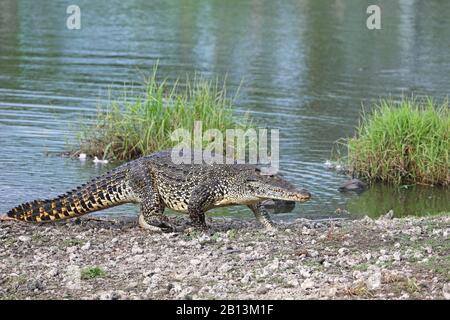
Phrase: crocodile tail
(100, 193)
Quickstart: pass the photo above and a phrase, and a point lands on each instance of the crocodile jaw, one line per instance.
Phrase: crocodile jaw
(265, 191)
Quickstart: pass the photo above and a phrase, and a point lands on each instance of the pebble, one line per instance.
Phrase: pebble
(446, 291)
(373, 282)
(86, 246)
(262, 290)
(35, 284)
(136, 250)
(293, 283)
(24, 238)
(307, 284)
(195, 262)
(73, 277)
(249, 263)
(71, 249)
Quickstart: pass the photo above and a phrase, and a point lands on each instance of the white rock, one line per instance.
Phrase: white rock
(246, 278)
(313, 253)
(195, 262)
(293, 282)
(71, 249)
(307, 284)
(331, 292)
(342, 251)
(262, 290)
(147, 280)
(225, 268)
(136, 249)
(305, 273)
(275, 264)
(373, 282)
(52, 272)
(176, 287)
(397, 256)
(108, 296)
(306, 231)
(73, 277)
(446, 291)
(86, 246)
(24, 238)
(418, 255)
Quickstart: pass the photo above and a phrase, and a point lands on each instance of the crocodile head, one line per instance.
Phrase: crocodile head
(268, 186)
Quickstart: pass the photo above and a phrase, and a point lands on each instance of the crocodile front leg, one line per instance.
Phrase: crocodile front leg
(262, 215)
(201, 200)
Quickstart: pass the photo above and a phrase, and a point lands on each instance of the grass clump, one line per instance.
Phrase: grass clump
(92, 273)
(139, 124)
(403, 143)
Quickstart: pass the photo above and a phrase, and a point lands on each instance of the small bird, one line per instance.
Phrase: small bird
(354, 185)
(82, 156)
(102, 161)
(329, 165)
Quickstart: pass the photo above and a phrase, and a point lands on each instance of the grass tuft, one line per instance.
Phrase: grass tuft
(142, 123)
(92, 273)
(403, 143)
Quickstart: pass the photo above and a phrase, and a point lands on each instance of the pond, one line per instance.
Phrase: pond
(306, 67)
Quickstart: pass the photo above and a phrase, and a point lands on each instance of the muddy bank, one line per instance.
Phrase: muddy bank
(115, 259)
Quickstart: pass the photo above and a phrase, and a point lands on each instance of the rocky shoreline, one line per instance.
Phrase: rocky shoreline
(86, 258)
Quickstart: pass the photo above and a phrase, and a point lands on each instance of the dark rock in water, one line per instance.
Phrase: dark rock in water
(278, 206)
(354, 185)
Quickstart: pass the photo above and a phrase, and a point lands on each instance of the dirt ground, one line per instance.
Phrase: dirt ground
(387, 258)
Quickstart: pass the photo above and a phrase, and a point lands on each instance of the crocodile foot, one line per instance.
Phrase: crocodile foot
(156, 225)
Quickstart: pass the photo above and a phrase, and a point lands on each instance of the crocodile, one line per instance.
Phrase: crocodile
(155, 182)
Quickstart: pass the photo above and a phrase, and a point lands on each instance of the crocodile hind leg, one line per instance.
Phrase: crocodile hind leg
(152, 216)
(262, 215)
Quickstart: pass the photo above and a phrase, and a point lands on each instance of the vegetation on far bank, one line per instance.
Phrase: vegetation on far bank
(141, 123)
(404, 142)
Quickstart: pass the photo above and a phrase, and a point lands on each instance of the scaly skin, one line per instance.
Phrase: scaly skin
(155, 182)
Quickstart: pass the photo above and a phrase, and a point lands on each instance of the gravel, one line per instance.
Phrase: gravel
(108, 258)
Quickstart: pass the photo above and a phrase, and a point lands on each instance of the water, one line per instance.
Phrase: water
(306, 67)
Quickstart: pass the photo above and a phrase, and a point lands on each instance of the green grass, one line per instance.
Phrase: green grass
(403, 143)
(140, 123)
(73, 242)
(92, 273)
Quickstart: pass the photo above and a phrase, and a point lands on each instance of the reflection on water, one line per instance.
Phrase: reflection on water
(414, 200)
(306, 66)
